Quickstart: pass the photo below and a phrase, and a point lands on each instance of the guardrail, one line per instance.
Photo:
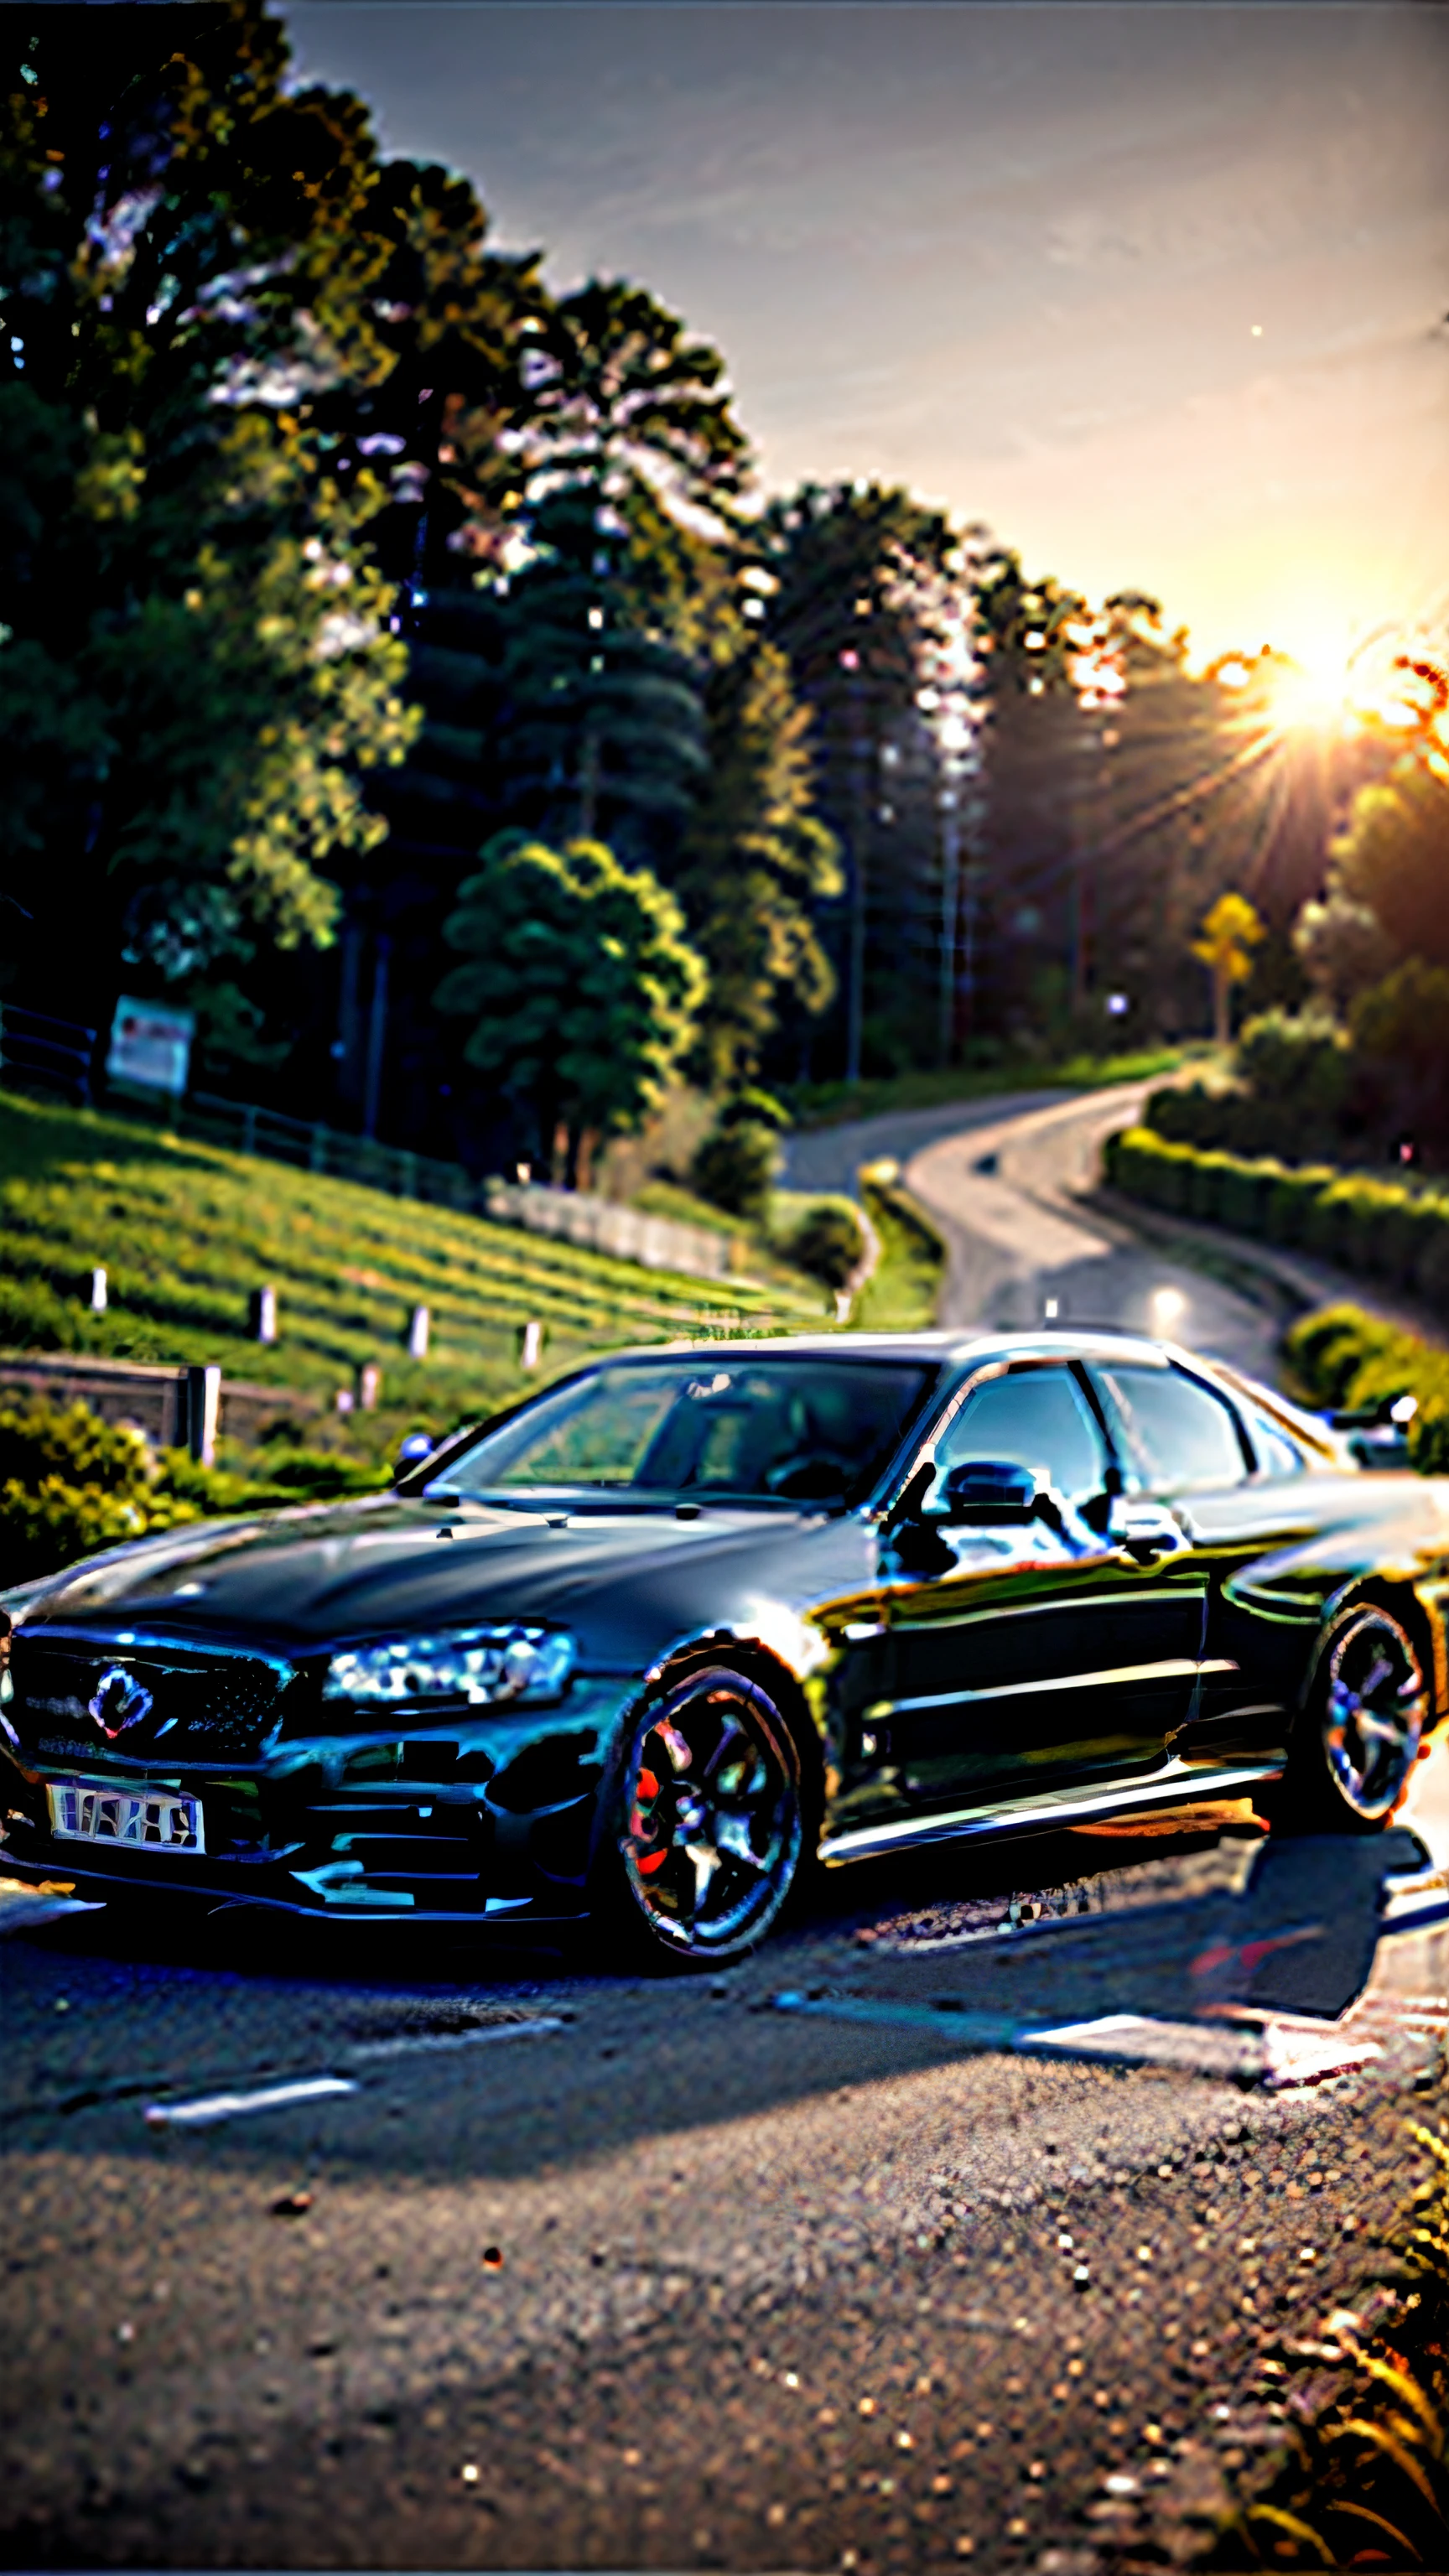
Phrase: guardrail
(311, 1146)
(176, 1407)
(57, 1054)
(655, 1242)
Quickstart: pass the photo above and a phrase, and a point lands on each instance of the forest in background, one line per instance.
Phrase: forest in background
(402, 669)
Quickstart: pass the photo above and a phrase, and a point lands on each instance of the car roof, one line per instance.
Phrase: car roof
(1102, 1342)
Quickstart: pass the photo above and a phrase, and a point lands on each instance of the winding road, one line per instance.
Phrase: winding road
(1005, 1181)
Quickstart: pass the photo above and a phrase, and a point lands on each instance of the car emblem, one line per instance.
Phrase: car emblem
(120, 1702)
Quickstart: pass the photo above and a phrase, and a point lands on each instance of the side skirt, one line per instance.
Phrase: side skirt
(1179, 1784)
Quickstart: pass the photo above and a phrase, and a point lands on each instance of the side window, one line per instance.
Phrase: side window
(1033, 1418)
(1175, 1433)
(1277, 1454)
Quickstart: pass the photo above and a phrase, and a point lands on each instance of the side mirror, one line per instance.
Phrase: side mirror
(991, 1489)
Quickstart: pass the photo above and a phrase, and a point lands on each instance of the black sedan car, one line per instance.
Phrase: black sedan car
(694, 1618)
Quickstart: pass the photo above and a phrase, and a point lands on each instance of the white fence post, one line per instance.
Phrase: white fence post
(203, 1413)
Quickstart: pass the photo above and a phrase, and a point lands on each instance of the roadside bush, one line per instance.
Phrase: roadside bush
(735, 1166)
(1294, 1077)
(1298, 1063)
(48, 1525)
(1377, 1227)
(1348, 1361)
(73, 1445)
(1327, 1350)
(829, 1243)
(70, 1483)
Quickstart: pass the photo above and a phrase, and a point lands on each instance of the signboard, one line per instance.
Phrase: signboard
(150, 1047)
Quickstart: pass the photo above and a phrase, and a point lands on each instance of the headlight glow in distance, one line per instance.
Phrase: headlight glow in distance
(485, 1666)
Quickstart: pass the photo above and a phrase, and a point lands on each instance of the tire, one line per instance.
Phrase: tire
(705, 1832)
(1358, 1738)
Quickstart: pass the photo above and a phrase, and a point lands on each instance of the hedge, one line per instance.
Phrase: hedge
(1377, 1227)
(1347, 1360)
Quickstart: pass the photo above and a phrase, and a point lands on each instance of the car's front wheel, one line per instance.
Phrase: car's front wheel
(1359, 1735)
(707, 1826)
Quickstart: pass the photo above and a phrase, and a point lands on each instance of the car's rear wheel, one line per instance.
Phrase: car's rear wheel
(707, 1826)
(1359, 1735)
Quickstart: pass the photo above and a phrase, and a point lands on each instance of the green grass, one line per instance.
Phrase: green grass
(900, 1295)
(186, 1230)
(829, 1104)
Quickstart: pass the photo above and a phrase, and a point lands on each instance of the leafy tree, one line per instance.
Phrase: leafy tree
(1342, 946)
(580, 983)
(1394, 857)
(1402, 1026)
(1225, 946)
(196, 664)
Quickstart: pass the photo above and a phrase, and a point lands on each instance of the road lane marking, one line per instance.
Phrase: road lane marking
(212, 2107)
(418, 2043)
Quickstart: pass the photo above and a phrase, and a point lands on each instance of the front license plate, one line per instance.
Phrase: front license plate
(96, 1811)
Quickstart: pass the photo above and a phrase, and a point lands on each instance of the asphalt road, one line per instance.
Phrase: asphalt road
(878, 2252)
(1002, 1180)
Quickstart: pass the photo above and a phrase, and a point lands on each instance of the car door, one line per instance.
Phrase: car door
(1024, 1660)
(1187, 1445)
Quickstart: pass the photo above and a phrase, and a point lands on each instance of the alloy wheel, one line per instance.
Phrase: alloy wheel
(712, 1825)
(1374, 1712)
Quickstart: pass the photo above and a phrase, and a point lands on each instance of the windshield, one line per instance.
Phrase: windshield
(705, 1425)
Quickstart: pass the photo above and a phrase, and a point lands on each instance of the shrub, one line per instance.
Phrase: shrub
(901, 1294)
(1291, 1199)
(1330, 1347)
(48, 1525)
(1192, 1113)
(319, 1475)
(39, 1440)
(1349, 1217)
(1205, 1178)
(1349, 1360)
(735, 1166)
(1244, 1194)
(70, 1483)
(828, 1243)
(1299, 1062)
(1149, 1167)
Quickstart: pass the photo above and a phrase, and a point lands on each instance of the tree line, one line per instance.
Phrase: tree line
(400, 668)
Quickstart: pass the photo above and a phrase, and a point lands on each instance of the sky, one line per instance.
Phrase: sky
(1157, 293)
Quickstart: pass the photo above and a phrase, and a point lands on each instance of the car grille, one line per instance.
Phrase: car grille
(157, 1702)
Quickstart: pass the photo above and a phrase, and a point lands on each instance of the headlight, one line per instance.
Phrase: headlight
(482, 1665)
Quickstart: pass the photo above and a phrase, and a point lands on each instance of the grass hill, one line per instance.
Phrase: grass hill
(185, 1232)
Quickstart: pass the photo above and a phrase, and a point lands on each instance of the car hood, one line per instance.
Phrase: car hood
(295, 1581)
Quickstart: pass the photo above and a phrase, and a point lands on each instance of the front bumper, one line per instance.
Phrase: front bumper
(476, 1818)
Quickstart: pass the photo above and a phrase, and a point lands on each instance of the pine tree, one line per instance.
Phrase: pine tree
(863, 590)
(756, 863)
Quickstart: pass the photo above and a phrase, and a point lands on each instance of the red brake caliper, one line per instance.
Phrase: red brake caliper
(641, 1823)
